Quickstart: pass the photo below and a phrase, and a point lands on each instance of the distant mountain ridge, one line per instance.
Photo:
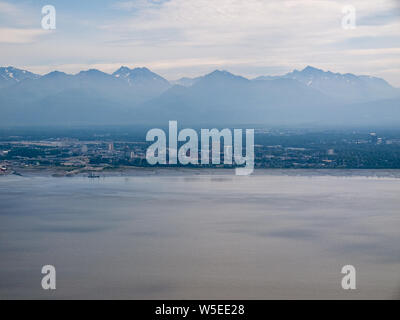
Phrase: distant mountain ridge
(138, 95)
(346, 86)
(11, 75)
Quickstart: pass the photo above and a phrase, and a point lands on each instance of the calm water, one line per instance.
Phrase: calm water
(185, 235)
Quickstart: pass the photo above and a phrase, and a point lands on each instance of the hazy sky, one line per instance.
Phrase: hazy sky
(186, 38)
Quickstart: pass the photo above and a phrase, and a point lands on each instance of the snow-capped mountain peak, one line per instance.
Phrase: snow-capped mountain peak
(10, 75)
(140, 76)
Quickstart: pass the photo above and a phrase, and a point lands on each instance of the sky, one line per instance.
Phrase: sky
(177, 38)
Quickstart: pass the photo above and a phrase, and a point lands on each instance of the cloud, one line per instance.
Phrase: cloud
(18, 24)
(237, 25)
(137, 4)
(13, 35)
(380, 18)
(12, 15)
(8, 8)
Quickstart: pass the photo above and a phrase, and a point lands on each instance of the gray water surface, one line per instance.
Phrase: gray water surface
(187, 235)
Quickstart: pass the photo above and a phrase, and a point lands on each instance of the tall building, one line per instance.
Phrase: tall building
(374, 137)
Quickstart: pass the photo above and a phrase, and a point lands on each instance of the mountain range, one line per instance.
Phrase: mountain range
(139, 96)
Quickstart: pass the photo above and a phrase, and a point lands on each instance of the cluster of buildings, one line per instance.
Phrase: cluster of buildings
(287, 150)
(69, 154)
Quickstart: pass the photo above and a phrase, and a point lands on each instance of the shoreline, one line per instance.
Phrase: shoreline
(187, 171)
